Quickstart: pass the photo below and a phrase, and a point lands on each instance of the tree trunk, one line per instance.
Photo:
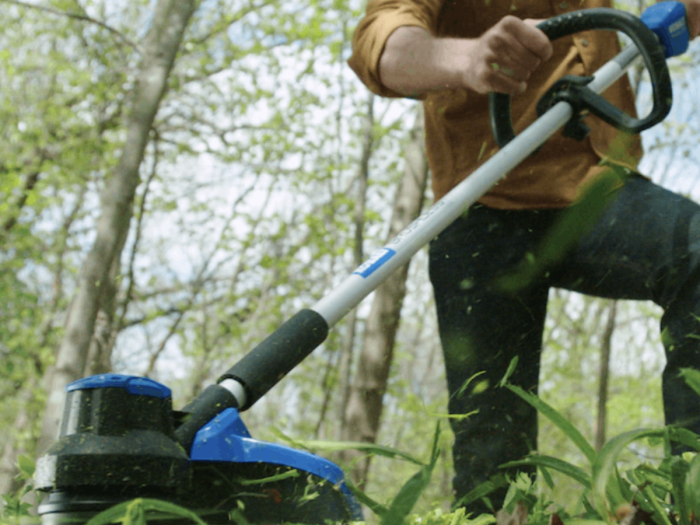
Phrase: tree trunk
(344, 369)
(159, 51)
(26, 413)
(99, 358)
(604, 375)
(364, 408)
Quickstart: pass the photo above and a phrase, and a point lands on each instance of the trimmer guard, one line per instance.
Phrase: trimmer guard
(315, 489)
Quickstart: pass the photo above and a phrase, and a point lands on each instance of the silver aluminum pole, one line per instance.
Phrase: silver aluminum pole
(334, 306)
(398, 251)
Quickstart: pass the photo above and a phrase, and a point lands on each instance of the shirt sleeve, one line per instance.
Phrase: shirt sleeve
(382, 18)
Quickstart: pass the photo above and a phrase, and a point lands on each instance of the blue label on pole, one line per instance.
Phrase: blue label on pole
(375, 262)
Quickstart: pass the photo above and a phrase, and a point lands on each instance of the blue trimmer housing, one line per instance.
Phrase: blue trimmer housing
(669, 22)
(117, 441)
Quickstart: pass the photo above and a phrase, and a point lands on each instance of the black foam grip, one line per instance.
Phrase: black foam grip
(207, 405)
(276, 356)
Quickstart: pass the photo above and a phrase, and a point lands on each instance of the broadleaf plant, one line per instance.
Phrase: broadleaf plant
(667, 494)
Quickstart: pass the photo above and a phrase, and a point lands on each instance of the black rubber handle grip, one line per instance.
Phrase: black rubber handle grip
(599, 18)
(207, 405)
(276, 356)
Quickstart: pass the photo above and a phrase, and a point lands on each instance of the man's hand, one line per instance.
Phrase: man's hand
(692, 11)
(505, 56)
(414, 62)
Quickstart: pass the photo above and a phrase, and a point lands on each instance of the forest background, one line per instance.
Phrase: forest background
(179, 177)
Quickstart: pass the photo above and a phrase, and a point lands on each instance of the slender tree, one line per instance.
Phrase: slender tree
(604, 375)
(344, 369)
(170, 18)
(364, 407)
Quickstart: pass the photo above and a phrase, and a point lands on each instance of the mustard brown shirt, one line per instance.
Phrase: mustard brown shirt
(458, 135)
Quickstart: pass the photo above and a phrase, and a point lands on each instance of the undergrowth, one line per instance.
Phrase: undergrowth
(664, 493)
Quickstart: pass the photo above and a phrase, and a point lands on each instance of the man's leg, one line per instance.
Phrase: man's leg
(646, 246)
(482, 329)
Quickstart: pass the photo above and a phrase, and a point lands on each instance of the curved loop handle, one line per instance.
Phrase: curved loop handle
(599, 18)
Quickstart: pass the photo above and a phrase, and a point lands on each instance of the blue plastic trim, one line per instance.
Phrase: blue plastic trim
(226, 438)
(353, 504)
(668, 20)
(138, 386)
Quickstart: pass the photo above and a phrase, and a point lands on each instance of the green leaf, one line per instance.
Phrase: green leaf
(111, 515)
(584, 522)
(560, 421)
(604, 467)
(626, 491)
(466, 384)
(684, 436)
(237, 517)
(366, 500)
(483, 519)
(457, 417)
(544, 472)
(407, 497)
(679, 472)
(172, 509)
(26, 466)
(371, 448)
(660, 516)
(549, 462)
(691, 486)
(566, 232)
(270, 479)
(692, 378)
(134, 511)
(647, 475)
(511, 368)
(482, 490)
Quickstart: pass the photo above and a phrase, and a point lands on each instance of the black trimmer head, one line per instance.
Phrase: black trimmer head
(117, 442)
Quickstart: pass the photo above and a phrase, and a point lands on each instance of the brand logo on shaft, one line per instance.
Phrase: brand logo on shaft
(374, 263)
(680, 25)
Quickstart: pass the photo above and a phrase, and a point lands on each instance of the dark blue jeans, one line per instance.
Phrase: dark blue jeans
(645, 245)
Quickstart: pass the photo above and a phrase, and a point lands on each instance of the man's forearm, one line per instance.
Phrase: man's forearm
(414, 62)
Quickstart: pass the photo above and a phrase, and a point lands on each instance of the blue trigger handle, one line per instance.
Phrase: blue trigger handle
(669, 22)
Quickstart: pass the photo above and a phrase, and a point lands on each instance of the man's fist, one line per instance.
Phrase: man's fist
(504, 56)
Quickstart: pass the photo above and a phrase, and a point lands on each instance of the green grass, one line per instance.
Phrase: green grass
(664, 493)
